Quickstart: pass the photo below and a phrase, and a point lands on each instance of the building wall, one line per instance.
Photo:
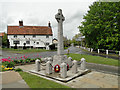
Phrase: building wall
(33, 40)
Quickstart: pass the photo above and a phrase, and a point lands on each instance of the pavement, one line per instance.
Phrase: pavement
(12, 79)
(93, 79)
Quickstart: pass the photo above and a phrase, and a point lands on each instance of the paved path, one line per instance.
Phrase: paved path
(12, 79)
(93, 79)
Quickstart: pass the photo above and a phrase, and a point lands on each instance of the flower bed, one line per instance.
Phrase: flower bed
(10, 62)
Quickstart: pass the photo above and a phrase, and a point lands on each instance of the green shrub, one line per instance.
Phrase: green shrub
(9, 64)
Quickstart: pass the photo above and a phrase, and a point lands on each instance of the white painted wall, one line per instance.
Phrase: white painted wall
(39, 38)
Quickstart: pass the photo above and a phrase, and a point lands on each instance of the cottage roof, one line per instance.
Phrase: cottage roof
(29, 30)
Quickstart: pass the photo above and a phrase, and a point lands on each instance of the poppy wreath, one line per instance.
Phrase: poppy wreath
(67, 67)
(57, 68)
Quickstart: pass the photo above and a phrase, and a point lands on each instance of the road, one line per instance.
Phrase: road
(96, 67)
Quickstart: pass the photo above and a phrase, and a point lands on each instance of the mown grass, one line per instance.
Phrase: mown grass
(94, 59)
(23, 51)
(34, 81)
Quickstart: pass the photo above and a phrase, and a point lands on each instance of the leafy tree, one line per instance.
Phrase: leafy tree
(78, 42)
(101, 25)
(4, 40)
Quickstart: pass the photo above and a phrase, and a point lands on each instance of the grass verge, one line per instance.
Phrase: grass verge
(94, 59)
(115, 55)
(38, 82)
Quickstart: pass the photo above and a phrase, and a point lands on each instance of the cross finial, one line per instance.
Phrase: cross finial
(59, 16)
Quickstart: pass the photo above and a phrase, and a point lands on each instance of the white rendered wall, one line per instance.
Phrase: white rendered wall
(39, 38)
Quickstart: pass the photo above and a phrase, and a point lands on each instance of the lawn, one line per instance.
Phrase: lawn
(23, 51)
(38, 82)
(94, 59)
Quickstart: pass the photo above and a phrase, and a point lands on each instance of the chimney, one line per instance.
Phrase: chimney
(49, 24)
(21, 23)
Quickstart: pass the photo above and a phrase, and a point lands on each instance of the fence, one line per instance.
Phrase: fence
(102, 51)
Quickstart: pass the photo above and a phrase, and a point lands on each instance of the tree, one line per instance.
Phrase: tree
(101, 25)
(78, 42)
(4, 40)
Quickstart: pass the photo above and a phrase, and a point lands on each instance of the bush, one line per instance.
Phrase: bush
(8, 64)
(18, 70)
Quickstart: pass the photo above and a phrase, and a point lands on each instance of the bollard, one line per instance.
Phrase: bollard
(107, 52)
(69, 61)
(119, 53)
(74, 67)
(83, 64)
(37, 63)
(98, 50)
(63, 70)
(48, 67)
(91, 50)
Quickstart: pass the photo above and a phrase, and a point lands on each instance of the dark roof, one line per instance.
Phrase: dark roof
(29, 30)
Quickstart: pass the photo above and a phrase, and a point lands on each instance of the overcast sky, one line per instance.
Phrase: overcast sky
(39, 13)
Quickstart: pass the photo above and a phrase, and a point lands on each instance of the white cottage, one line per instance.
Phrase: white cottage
(30, 36)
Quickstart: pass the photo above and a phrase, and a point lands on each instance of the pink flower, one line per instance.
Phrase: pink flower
(40, 56)
(15, 57)
(21, 57)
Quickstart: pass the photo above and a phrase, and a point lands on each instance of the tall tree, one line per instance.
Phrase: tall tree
(101, 25)
(4, 40)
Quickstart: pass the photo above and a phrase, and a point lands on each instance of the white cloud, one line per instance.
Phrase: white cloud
(39, 13)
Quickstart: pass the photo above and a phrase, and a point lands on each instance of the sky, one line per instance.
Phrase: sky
(40, 12)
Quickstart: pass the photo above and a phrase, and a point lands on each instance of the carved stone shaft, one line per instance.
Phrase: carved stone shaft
(60, 18)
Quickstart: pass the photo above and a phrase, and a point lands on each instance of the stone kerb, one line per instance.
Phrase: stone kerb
(37, 63)
(63, 70)
(83, 64)
(48, 67)
(74, 67)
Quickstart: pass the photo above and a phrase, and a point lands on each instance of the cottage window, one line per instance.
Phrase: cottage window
(34, 36)
(24, 36)
(27, 42)
(15, 36)
(47, 43)
(16, 42)
(37, 42)
(47, 36)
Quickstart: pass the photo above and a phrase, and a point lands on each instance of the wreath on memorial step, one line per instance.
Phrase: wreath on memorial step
(67, 67)
(57, 68)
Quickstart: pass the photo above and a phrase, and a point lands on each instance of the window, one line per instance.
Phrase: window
(24, 36)
(34, 36)
(47, 36)
(37, 42)
(47, 43)
(15, 36)
(16, 42)
(27, 42)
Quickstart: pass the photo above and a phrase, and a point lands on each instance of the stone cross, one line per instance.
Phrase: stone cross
(60, 18)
